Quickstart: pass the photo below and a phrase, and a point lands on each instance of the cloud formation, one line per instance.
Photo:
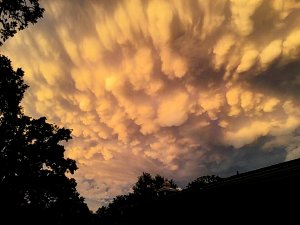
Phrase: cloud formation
(179, 88)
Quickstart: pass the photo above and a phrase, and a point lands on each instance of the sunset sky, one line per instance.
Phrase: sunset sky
(180, 88)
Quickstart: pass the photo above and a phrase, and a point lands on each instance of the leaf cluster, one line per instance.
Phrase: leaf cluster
(16, 15)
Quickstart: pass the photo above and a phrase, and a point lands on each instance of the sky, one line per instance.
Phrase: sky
(180, 88)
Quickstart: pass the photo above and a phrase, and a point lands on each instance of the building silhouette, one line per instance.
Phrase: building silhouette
(166, 189)
(263, 196)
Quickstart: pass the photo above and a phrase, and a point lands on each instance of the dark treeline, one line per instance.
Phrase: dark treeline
(264, 196)
(33, 182)
(145, 190)
(34, 188)
(150, 197)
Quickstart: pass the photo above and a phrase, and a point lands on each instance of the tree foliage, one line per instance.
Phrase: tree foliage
(202, 181)
(34, 186)
(33, 169)
(15, 15)
(146, 187)
(144, 191)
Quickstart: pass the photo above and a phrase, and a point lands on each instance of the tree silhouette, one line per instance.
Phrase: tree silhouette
(146, 183)
(16, 15)
(34, 186)
(124, 209)
(33, 181)
(202, 181)
(146, 187)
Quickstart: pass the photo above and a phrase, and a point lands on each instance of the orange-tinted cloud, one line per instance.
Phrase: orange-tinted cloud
(180, 88)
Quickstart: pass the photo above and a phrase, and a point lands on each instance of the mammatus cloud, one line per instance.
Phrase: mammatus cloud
(180, 88)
